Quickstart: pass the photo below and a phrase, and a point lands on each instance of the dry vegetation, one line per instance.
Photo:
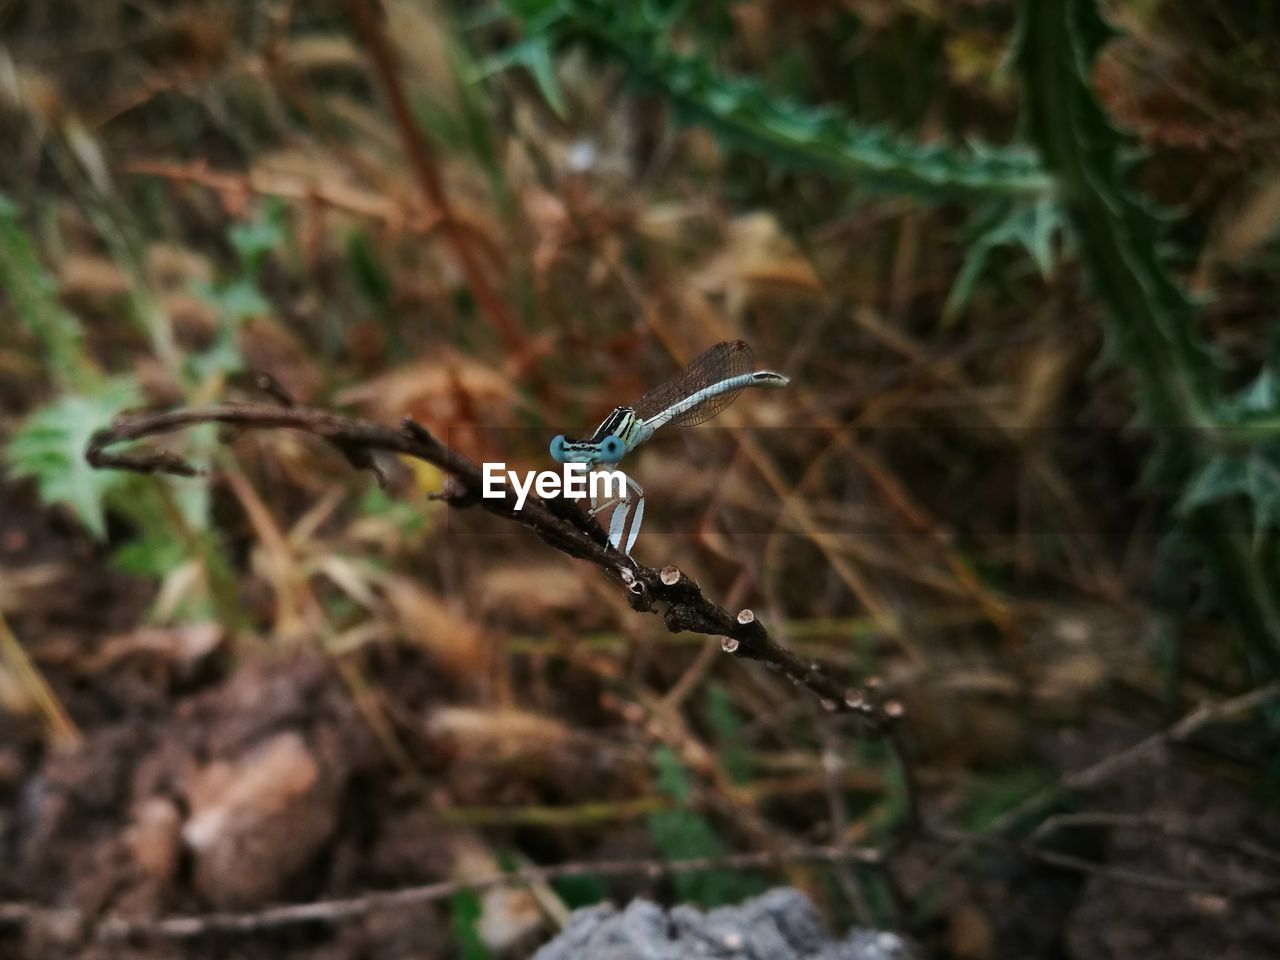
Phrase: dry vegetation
(1020, 499)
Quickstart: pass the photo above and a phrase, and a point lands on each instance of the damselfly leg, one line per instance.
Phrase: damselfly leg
(623, 508)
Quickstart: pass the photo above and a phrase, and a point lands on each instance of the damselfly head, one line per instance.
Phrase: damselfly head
(608, 445)
(607, 449)
(567, 450)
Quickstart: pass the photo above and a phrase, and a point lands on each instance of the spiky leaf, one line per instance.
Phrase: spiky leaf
(744, 114)
(49, 448)
(1152, 325)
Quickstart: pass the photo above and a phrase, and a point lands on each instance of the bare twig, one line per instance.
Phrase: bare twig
(1269, 889)
(335, 911)
(1144, 823)
(75, 924)
(1096, 774)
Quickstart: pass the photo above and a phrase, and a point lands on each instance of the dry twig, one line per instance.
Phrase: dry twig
(115, 929)
(560, 523)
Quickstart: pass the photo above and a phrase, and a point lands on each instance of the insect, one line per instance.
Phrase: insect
(698, 392)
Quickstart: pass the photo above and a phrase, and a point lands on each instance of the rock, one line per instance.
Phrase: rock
(781, 924)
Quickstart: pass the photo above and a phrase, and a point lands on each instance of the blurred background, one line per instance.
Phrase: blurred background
(1026, 473)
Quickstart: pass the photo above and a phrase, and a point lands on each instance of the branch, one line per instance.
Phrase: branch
(560, 523)
(1266, 890)
(334, 911)
(74, 924)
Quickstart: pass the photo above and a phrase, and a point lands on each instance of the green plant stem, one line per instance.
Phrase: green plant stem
(743, 112)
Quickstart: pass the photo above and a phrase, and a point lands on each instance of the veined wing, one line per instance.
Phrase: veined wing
(715, 365)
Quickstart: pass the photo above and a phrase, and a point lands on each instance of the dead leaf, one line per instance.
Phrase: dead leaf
(20, 586)
(1258, 220)
(457, 643)
(319, 52)
(182, 645)
(1046, 375)
(155, 837)
(258, 819)
(756, 259)
(969, 933)
(531, 595)
(497, 734)
(450, 392)
(509, 916)
(270, 346)
(88, 279)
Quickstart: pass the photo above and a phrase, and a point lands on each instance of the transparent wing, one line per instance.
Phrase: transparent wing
(730, 358)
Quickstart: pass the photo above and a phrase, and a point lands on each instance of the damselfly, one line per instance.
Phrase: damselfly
(697, 393)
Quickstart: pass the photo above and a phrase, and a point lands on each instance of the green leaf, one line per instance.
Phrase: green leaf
(684, 834)
(1152, 325)
(1260, 397)
(49, 448)
(995, 795)
(1218, 479)
(727, 726)
(370, 278)
(1030, 227)
(528, 9)
(157, 547)
(534, 55)
(253, 241)
(1263, 485)
(672, 778)
(467, 910)
(34, 295)
(237, 300)
(581, 891)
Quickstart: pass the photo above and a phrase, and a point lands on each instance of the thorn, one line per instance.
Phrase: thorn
(455, 494)
(729, 645)
(670, 575)
(746, 616)
(417, 430)
(275, 390)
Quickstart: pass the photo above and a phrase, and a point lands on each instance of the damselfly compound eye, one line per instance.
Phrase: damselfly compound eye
(611, 449)
(557, 448)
